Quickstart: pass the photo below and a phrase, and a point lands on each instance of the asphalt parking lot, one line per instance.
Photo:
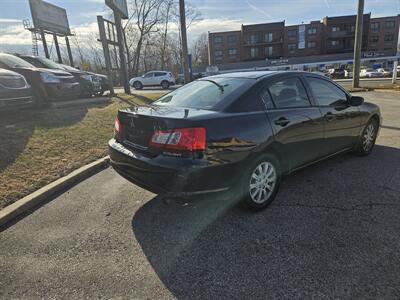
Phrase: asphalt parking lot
(332, 232)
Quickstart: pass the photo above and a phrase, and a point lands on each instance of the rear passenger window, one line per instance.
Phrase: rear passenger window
(266, 98)
(158, 74)
(289, 93)
(326, 93)
(249, 102)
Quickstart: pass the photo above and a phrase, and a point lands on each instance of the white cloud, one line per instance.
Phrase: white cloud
(14, 35)
(5, 20)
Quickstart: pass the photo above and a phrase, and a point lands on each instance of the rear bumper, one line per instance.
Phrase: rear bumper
(169, 175)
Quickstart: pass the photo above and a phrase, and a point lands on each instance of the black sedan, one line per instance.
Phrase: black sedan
(15, 92)
(240, 131)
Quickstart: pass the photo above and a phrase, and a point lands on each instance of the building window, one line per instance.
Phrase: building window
(218, 39)
(353, 28)
(292, 33)
(335, 28)
(232, 52)
(374, 39)
(232, 39)
(292, 46)
(312, 31)
(253, 39)
(268, 37)
(269, 51)
(334, 42)
(311, 44)
(375, 26)
(218, 54)
(389, 37)
(390, 24)
(254, 52)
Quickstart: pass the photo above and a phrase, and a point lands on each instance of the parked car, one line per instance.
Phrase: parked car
(104, 83)
(240, 132)
(385, 72)
(89, 82)
(326, 74)
(84, 79)
(348, 73)
(154, 78)
(337, 73)
(370, 73)
(15, 92)
(47, 84)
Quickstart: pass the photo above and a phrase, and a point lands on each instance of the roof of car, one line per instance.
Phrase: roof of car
(253, 74)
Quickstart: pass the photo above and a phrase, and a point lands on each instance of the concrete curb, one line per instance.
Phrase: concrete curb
(10, 212)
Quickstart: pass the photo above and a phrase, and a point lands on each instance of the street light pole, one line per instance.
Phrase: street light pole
(184, 41)
(358, 44)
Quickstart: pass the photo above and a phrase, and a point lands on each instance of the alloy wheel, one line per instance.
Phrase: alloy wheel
(369, 137)
(262, 182)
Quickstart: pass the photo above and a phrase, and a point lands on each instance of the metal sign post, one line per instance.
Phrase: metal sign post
(120, 10)
(57, 49)
(106, 51)
(124, 71)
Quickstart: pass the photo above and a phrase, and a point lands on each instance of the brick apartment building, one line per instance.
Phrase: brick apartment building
(329, 36)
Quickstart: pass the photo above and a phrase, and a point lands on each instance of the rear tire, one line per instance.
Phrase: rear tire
(137, 85)
(368, 138)
(165, 84)
(261, 183)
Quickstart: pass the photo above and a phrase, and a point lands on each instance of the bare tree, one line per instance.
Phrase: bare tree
(168, 5)
(145, 16)
(199, 50)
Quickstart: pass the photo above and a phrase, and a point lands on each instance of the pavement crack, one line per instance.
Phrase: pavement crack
(357, 207)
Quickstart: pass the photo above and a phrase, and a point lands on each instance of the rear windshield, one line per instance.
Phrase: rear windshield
(203, 94)
(12, 61)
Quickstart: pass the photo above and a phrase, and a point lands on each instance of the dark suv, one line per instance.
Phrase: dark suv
(85, 80)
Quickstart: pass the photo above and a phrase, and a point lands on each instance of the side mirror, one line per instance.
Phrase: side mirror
(356, 100)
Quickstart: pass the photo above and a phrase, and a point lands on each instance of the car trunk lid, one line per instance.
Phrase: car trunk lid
(140, 123)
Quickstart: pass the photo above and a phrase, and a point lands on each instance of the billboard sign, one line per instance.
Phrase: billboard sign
(302, 39)
(49, 17)
(119, 6)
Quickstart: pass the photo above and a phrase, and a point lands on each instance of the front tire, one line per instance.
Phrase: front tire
(137, 85)
(165, 84)
(368, 138)
(261, 183)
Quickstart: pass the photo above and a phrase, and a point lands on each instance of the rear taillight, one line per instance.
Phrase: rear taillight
(190, 139)
(117, 128)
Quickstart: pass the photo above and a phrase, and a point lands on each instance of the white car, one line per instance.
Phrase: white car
(153, 78)
(370, 73)
(348, 74)
(385, 72)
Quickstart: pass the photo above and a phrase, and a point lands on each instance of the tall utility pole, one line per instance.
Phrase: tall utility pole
(358, 44)
(184, 41)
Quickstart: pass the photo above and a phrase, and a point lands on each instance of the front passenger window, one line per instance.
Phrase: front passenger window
(289, 93)
(326, 93)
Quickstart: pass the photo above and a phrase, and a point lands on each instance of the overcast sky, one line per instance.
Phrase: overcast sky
(216, 14)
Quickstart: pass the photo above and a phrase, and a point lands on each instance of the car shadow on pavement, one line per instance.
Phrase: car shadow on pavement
(332, 232)
(17, 127)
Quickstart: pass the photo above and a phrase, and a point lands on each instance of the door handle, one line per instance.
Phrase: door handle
(329, 116)
(282, 122)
